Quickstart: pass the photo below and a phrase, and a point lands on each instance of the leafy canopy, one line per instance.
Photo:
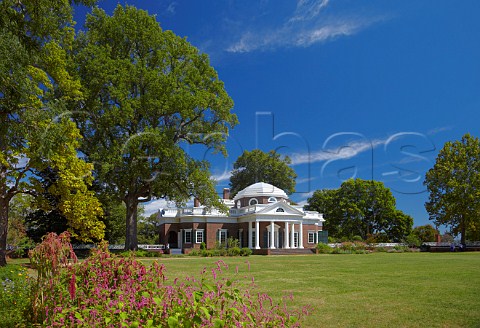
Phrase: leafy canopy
(454, 187)
(35, 40)
(148, 95)
(361, 208)
(257, 166)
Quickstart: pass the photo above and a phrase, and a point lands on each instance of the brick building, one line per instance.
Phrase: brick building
(260, 217)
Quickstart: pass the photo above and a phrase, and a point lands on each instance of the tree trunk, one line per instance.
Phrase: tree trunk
(4, 204)
(131, 240)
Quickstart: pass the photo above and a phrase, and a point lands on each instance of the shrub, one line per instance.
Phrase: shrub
(233, 243)
(234, 251)
(357, 238)
(245, 251)
(122, 292)
(48, 258)
(324, 248)
(413, 241)
(351, 248)
(140, 253)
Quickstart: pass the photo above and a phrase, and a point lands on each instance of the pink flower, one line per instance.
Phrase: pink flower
(72, 287)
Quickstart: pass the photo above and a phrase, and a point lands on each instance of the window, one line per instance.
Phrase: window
(222, 236)
(187, 236)
(253, 201)
(311, 237)
(199, 236)
(253, 237)
(295, 239)
(272, 200)
(280, 210)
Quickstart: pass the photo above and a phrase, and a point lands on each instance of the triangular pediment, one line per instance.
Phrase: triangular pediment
(280, 208)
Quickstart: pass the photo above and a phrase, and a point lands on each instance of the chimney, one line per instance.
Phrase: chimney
(226, 193)
(196, 202)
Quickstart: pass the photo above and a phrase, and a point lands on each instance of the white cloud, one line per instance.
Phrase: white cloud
(307, 25)
(225, 176)
(307, 10)
(305, 197)
(153, 206)
(347, 151)
(305, 180)
(171, 8)
(439, 130)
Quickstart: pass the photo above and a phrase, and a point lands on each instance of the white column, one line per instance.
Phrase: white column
(272, 235)
(292, 236)
(250, 235)
(300, 236)
(180, 238)
(286, 241)
(257, 235)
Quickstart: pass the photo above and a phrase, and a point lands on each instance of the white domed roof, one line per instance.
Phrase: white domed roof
(261, 189)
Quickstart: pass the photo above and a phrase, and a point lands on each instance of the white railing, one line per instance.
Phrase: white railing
(151, 247)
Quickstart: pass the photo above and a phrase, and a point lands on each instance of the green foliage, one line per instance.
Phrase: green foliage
(114, 212)
(17, 230)
(48, 258)
(454, 187)
(107, 291)
(14, 295)
(425, 233)
(148, 93)
(324, 248)
(361, 208)
(258, 166)
(139, 253)
(351, 248)
(35, 37)
(147, 229)
(221, 251)
(357, 238)
(413, 241)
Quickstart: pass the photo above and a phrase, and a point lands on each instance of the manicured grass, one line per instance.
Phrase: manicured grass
(373, 290)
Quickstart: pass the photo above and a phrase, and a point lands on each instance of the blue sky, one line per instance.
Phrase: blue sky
(367, 89)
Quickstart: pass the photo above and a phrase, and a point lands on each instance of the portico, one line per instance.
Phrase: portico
(281, 234)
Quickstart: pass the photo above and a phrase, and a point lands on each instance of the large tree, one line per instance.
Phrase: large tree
(35, 37)
(425, 233)
(258, 166)
(363, 208)
(454, 187)
(149, 94)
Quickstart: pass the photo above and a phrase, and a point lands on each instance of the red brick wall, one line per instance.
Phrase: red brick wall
(211, 231)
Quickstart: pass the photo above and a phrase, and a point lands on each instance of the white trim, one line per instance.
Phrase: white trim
(250, 202)
(250, 231)
(196, 236)
(185, 231)
(272, 235)
(257, 235)
(286, 242)
(300, 236)
(219, 236)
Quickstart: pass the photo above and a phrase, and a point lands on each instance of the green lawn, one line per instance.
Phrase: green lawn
(373, 290)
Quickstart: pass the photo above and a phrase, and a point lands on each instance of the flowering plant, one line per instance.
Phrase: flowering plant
(106, 291)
